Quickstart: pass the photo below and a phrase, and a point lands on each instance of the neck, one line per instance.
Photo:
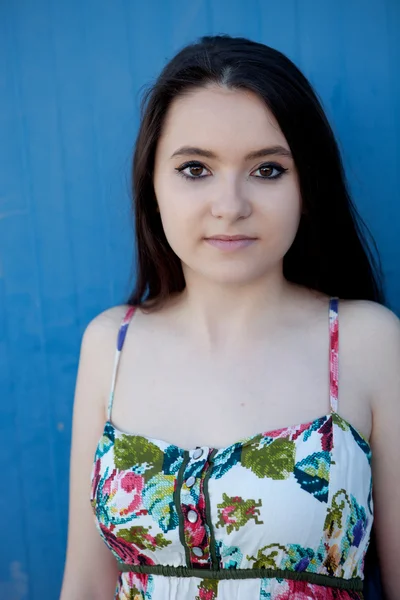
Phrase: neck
(220, 314)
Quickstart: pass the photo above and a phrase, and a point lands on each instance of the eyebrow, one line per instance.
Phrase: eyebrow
(193, 150)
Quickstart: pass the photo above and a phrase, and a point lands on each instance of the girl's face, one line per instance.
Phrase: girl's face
(224, 168)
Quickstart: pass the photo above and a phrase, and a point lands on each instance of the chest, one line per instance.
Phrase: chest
(237, 502)
(193, 398)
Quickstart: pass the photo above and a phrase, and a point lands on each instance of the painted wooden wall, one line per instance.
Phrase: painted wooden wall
(70, 80)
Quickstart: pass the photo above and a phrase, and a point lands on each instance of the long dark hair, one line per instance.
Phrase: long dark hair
(330, 252)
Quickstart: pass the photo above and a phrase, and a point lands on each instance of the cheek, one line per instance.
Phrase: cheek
(181, 220)
(280, 213)
(288, 213)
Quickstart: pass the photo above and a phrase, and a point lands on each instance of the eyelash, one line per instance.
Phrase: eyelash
(281, 170)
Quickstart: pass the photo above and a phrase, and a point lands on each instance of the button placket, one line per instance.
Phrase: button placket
(195, 465)
(194, 512)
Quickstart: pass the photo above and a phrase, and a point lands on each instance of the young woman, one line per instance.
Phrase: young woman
(234, 428)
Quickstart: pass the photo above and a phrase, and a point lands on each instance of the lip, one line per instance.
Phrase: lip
(230, 242)
(230, 238)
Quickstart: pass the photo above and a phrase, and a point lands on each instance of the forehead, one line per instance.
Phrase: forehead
(220, 119)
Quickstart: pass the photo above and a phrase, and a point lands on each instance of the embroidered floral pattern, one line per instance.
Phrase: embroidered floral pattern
(208, 590)
(135, 586)
(234, 512)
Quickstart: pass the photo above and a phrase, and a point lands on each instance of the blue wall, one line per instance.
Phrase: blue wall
(70, 76)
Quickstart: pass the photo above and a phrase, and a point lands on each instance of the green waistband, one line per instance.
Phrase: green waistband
(354, 584)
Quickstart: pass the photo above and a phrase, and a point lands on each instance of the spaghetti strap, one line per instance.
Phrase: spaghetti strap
(334, 353)
(120, 343)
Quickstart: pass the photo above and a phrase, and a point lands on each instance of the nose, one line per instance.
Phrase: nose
(230, 201)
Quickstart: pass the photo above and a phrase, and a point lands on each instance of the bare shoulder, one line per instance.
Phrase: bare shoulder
(106, 323)
(370, 315)
(98, 347)
(375, 328)
(101, 332)
(372, 333)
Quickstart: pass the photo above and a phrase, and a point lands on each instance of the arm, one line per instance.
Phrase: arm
(90, 568)
(384, 363)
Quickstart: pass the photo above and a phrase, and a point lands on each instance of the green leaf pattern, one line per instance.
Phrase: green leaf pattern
(275, 460)
(132, 450)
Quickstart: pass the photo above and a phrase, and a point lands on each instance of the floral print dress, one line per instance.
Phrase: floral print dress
(278, 515)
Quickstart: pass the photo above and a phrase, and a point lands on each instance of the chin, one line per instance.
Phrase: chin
(234, 274)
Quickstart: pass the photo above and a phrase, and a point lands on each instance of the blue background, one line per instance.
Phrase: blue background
(71, 74)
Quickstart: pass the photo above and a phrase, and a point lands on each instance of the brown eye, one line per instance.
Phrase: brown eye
(266, 171)
(193, 170)
(196, 170)
(269, 171)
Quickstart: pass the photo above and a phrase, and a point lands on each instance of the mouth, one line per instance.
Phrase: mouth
(230, 238)
(230, 242)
